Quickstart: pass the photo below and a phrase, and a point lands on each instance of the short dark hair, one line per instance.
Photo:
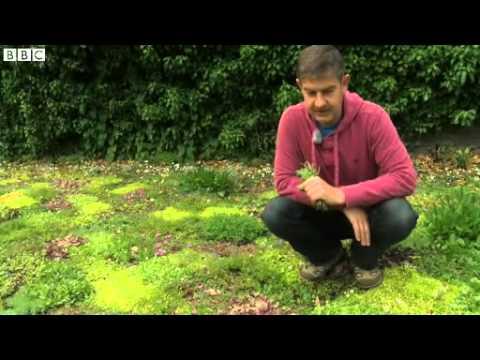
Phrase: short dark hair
(318, 60)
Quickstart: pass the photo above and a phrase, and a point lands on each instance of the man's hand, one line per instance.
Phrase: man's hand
(359, 220)
(318, 189)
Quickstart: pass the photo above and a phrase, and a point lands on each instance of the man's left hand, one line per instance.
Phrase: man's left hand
(318, 189)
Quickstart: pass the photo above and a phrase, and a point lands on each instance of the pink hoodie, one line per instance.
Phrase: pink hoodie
(365, 156)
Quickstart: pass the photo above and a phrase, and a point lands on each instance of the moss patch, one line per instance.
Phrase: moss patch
(101, 182)
(128, 188)
(405, 291)
(88, 205)
(171, 214)
(217, 210)
(16, 200)
(124, 291)
(173, 251)
(9, 182)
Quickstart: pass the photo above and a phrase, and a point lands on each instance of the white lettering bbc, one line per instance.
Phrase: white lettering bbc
(24, 54)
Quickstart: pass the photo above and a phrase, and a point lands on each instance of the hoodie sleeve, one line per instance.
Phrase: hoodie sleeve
(288, 160)
(396, 174)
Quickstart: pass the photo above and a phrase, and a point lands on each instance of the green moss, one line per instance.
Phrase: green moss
(47, 220)
(16, 200)
(124, 291)
(216, 210)
(40, 186)
(444, 280)
(405, 291)
(128, 188)
(106, 245)
(95, 269)
(168, 273)
(41, 191)
(99, 245)
(81, 200)
(275, 273)
(9, 182)
(88, 206)
(95, 208)
(268, 195)
(97, 183)
(32, 231)
(171, 214)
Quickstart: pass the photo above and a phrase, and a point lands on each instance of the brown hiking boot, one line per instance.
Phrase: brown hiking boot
(368, 279)
(333, 269)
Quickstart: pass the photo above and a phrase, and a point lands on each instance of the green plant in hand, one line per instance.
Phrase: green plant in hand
(307, 172)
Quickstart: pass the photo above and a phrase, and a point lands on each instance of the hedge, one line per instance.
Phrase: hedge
(211, 101)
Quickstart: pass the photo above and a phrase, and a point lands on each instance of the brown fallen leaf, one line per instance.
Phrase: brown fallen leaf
(58, 249)
(137, 195)
(57, 205)
(67, 185)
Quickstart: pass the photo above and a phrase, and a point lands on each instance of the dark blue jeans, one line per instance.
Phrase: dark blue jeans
(317, 235)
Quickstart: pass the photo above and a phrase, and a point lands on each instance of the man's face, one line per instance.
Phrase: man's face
(323, 98)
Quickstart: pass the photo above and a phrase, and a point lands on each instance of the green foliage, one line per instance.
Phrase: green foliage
(30, 231)
(455, 214)
(97, 183)
(41, 192)
(412, 80)
(58, 284)
(108, 246)
(7, 213)
(238, 229)
(169, 273)
(406, 292)
(211, 101)
(88, 206)
(206, 180)
(119, 270)
(307, 172)
(464, 157)
(128, 189)
(17, 270)
(16, 200)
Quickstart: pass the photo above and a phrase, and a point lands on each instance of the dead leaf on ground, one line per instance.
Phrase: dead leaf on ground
(254, 305)
(67, 185)
(164, 245)
(58, 204)
(58, 249)
(134, 196)
(226, 249)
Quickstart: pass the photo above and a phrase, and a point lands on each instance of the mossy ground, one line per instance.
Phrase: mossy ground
(152, 247)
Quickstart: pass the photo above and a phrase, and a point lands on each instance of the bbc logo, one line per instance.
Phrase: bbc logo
(24, 54)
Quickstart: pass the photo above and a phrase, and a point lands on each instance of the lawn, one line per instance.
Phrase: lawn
(91, 237)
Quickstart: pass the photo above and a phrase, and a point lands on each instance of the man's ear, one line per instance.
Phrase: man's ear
(345, 81)
(299, 84)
